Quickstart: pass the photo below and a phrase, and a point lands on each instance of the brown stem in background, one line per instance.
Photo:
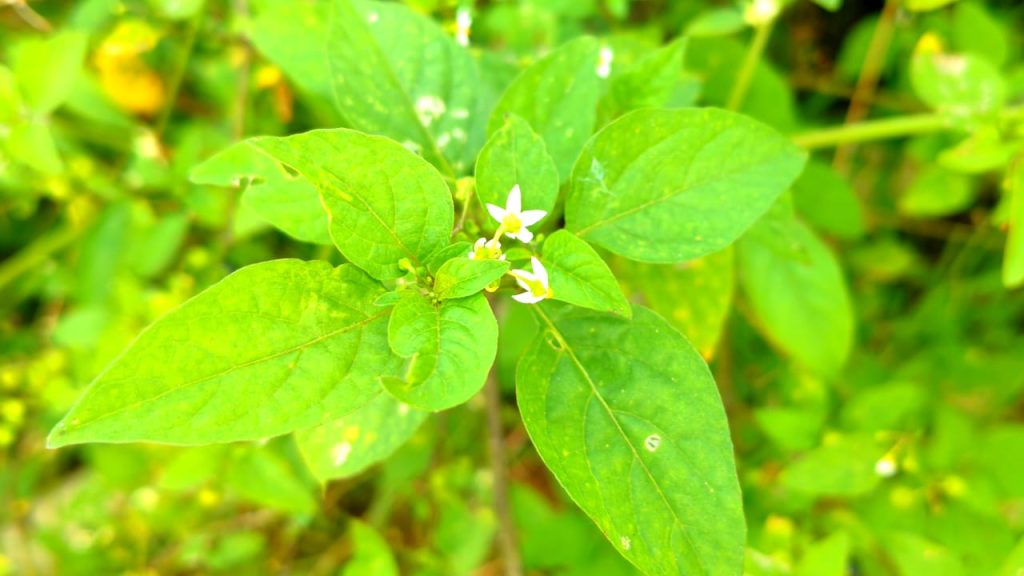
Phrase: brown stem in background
(499, 468)
(867, 83)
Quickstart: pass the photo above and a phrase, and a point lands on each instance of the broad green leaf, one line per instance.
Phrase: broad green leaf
(177, 9)
(293, 36)
(716, 60)
(384, 203)
(717, 22)
(936, 192)
(957, 84)
(461, 277)
(450, 346)
(398, 74)
(827, 557)
(694, 296)
(558, 97)
(31, 143)
(370, 553)
(270, 349)
(647, 83)
(626, 415)
(1014, 563)
(47, 68)
(347, 446)
(830, 5)
(797, 293)
(828, 202)
(442, 255)
(976, 30)
(1013, 257)
(791, 429)
(843, 466)
(926, 5)
(263, 477)
(287, 201)
(983, 151)
(914, 554)
(513, 155)
(665, 186)
(579, 276)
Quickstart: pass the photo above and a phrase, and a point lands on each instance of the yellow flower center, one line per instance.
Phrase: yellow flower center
(512, 224)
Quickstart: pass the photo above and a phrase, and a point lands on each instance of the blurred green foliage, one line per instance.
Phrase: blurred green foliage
(867, 335)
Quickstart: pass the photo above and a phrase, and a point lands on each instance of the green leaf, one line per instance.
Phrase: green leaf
(830, 5)
(515, 154)
(270, 349)
(957, 84)
(370, 553)
(936, 192)
(797, 293)
(293, 36)
(461, 277)
(396, 73)
(694, 296)
(983, 151)
(287, 201)
(579, 276)
(827, 557)
(442, 255)
(347, 446)
(926, 5)
(1013, 258)
(384, 203)
(558, 97)
(263, 477)
(665, 186)
(913, 554)
(828, 202)
(717, 22)
(627, 417)
(450, 346)
(47, 68)
(647, 83)
(844, 466)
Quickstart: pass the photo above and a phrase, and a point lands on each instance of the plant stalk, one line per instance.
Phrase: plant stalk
(896, 127)
(746, 73)
(499, 468)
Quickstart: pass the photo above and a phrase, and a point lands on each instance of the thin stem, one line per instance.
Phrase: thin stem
(896, 127)
(746, 73)
(181, 66)
(499, 468)
(867, 83)
(37, 252)
(30, 16)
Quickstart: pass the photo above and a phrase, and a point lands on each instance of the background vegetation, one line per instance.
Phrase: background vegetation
(866, 335)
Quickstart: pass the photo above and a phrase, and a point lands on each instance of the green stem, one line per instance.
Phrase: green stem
(896, 127)
(180, 68)
(37, 253)
(746, 73)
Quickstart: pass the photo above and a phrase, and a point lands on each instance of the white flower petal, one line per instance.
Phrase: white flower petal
(531, 217)
(527, 298)
(524, 235)
(539, 271)
(515, 200)
(496, 212)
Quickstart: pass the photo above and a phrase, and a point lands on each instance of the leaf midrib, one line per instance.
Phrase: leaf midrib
(253, 362)
(622, 433)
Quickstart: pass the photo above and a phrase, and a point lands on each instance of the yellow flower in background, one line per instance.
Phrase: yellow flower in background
(123, 74)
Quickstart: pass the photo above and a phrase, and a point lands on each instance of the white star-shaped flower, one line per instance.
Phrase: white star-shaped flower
(513, 219)
(484, 249)
(535, 283)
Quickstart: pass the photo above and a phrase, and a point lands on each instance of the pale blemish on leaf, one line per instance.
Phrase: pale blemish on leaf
(341, 452)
